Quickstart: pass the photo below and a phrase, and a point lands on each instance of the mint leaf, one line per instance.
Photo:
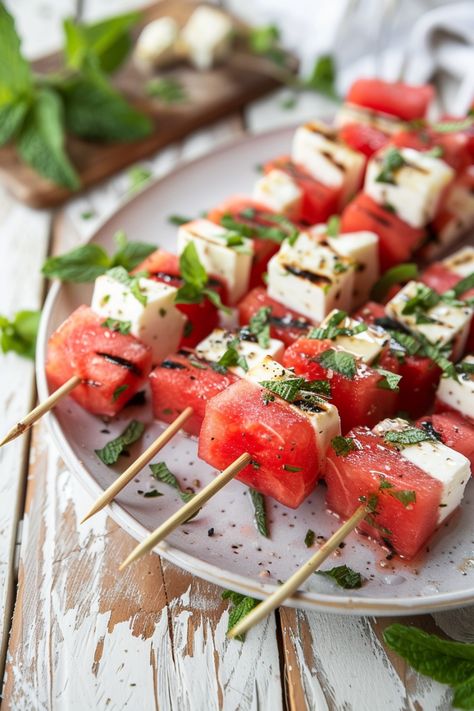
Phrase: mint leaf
(105, 44)
(121, 275)
(286, 389)
(258, 502)
(396, 275)
(95, 111)
(323, 76)
(259, 326)
(15, 74)
(195, 289)
(113, 449)
(231, 357)
(342, 445)
(405, 496)
(407, 437)
(178, 220)
(167, 90)
(116, 325)
(19, 333)
(392, 161)
(333, 226)
(41, 140)
(83, 264)
(344, 576)
(339, 361)
(241, 606)
(453, 126)
(309, 538)
(160, 472)
(389, 380)
(11, 119)
(86, 263)
(443, 660)
(138, 176)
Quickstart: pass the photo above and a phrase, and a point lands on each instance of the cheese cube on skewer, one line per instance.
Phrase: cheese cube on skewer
(361, 248)
(323, 417)
(310, 278)
(149, 307)
(442, 324)
(155, 46)
(207, 36)
(413, 189)
(366, 345)
(351, 113)
(440, 462)
(216, 344)
(230, 262)
(459, 394)
(279, 192)
(317, 148)
(461, 262)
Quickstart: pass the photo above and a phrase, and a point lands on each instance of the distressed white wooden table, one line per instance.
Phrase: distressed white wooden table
(76, 634)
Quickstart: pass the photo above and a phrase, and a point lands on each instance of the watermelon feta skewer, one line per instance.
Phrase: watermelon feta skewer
(183, 384)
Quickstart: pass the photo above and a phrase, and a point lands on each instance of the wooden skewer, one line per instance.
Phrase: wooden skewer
(111, 492)
(292, 584)
(186, 511)
(41, 409)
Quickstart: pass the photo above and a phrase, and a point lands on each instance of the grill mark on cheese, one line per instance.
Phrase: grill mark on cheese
(305, 274)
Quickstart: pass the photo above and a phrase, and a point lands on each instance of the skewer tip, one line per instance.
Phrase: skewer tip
(13, 434)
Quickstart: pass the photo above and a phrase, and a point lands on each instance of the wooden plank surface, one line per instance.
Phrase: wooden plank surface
(211, 95)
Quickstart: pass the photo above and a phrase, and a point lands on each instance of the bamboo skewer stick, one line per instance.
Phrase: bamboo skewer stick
(41, 409)
(188, 510)
(295, 581)
(116, 487)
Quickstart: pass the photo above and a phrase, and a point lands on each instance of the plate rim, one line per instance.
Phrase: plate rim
(317, 602)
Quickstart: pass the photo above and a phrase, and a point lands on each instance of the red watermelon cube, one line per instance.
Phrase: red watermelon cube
(285, 324)
(453, 430)
(113, 366)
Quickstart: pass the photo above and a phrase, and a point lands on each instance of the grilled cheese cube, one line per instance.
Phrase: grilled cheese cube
(310, 278)
(155, 47)
(215, 345)
(361, 248)
(232, 264)
(459, 394)
(207, 36)
(366, 345)
(351, 113)
(438, 461)
(156, 322)
(461, 262)
(279, 192)
(323, 417)
(414, 190)
(317, 148)
(448, 324)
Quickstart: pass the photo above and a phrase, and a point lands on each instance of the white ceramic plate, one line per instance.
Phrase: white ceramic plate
(236, 556)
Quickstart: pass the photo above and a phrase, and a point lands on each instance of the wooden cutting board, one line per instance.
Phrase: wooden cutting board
(211, 95)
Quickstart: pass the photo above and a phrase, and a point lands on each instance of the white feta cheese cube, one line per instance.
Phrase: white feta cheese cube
(351, 113)
(461, 262)
(155, 46)
(414, 189)
(310, 278)
(361, 248)
(322, 416)
(207, 36)
(439, 462)
(215, 345)
(232, 264)
(458, 214)
(279, 192)
(366, 345)
(459, 394)
(447, 323)
(156, 322)
(317, 147)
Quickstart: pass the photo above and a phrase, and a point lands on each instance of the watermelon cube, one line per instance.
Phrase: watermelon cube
(357, 475)
(184, 380)
(253, 216)
(404, 101)
(286, 440)
(319, 201)
(397, 240)
(113, 366)
(363, 137)
(452, 429)
(203, 317)
(361, 397)
(285, 324)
